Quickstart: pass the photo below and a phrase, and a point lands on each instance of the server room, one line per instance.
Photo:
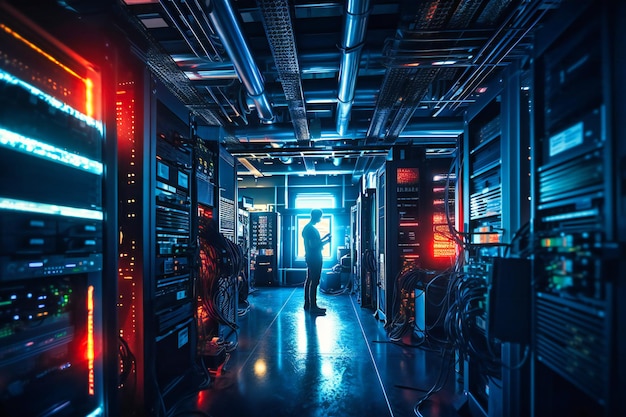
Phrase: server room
(305, 208)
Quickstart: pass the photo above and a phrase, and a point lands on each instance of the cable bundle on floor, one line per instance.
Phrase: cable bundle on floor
(221, 263)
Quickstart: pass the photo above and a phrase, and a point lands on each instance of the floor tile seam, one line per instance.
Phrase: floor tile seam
(371, 355)
(262, 338)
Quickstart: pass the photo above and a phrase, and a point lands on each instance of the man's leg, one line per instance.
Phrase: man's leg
(307, 290)
(314, 280)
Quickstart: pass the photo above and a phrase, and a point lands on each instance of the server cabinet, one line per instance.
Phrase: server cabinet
(155, 293)
(410, 213)
(497, 213)
(577, 160)
(52, 225)
(365, 247)
(265, 248)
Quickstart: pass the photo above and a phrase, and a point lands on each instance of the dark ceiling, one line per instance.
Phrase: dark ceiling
(304, 86)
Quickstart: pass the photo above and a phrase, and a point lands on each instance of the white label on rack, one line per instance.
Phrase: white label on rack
(567, 139)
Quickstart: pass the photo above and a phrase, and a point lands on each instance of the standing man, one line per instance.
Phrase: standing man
(313, 246)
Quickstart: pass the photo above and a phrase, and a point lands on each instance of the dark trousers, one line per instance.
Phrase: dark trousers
(313, 275)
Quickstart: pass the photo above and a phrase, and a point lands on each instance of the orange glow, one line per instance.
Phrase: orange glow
(89, 97)
(89, 87)
(40, 51)
(444, 249)
(409, 224)
(90, 341)
(439, 218)
(443, 245)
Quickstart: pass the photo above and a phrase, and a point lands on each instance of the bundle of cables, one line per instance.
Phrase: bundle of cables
(221, 262)
(462, 323)
(411, 284)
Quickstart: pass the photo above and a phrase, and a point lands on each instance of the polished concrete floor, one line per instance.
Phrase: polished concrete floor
(289, 363)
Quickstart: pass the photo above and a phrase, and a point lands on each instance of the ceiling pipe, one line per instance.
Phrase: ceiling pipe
(223, 18)
(440, 130)
(355, 26)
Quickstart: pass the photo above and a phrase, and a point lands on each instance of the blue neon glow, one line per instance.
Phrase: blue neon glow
(43, 150)
(54, 102)
(95, 413)
(43, 208)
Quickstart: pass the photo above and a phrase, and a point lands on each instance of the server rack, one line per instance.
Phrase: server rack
(155, 291)
(52, 222)
(577, 264)
(410, 212)
(265, 248)
(227, 215)
(365, 249)
(497, 212)
(243, 240)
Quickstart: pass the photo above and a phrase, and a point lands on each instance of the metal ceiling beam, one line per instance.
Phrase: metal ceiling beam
(226, 25)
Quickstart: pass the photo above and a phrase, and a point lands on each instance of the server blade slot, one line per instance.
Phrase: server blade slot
(573, 178)
(584, 378)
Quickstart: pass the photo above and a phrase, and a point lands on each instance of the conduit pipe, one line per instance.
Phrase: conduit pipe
(355, 26)
(225, 22)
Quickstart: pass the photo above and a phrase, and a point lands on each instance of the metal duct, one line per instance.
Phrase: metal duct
(355, 25)
(223, 18)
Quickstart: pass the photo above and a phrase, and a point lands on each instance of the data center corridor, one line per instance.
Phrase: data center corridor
(289, 363)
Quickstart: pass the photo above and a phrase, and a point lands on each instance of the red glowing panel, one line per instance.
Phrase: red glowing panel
(407, 176)
(443, 245)
(205, 212)
(90, 340)
(440, 218)
(444, 249)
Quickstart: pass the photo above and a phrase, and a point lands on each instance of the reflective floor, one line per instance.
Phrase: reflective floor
(289, 363)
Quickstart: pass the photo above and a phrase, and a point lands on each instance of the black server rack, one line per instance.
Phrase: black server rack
(265, 248)
(52, 222)
(365, 250)
(577, 264)
(410, 212)
(227, 218)
(496, 218)
(243, 240)
(219, 257)
(155, 291)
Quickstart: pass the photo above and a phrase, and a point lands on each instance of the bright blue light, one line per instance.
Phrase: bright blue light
(30, 146)
(95, 413)
(311, 201)
(53, 102)
(33, 207)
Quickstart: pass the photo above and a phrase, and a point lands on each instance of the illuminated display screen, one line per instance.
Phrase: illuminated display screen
(324, 227)
(407, 176)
